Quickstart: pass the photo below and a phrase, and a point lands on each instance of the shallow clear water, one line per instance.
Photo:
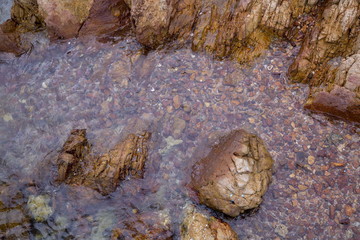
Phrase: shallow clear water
(5, 10)
(184, 98)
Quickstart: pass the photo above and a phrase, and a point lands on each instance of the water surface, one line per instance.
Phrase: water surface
(189, 100)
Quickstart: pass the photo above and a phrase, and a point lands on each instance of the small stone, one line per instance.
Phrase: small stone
(239, 89)
(338, 164)
(332, 212)
(251, 120)
(178, 127)
(39, 207)
(282, 230)
(295, 203)
(302, 187)
(311, 160)
(187, 108)
(348, 136)
(345, 221)
(169, 109)
(177, 102)
(207, 104)
(349, 210)
(8, 117)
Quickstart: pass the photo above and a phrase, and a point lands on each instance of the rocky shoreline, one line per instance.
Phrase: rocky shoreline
(183, 96)
(325, 30)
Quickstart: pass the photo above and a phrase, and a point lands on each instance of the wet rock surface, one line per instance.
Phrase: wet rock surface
(235, 175)
(108, 18)
(77, 167)
(197, 226)
(333, 34)
(64, 18)
(339, 94)
(144, 226)
(15, 221)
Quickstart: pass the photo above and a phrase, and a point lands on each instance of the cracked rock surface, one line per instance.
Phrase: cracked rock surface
(235, 175)
(197, 226)
(77, 167)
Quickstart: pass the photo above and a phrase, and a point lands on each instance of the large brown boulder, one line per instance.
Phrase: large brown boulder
(103, 173)
(197, 226)
(235, 175)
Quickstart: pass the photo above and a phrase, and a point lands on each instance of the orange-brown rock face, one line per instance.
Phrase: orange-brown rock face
(143, 226)
(77, 167)
(223, 28)
(235, 175)
(197, 226)
(9, 38)
(106, 17)
(24, 18)
(64, 18)
(339, 95)
(335, 31)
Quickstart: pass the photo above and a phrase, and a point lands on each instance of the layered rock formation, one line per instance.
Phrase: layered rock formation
(197, 226)
(334, 89)
(235, 175)
(339, 92)
(77, 167)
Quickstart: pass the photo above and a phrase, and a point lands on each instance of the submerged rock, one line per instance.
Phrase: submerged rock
(145, 226)
(77, 167)
(197, 226)
(39, 207)
(235, 175)
(14, 221)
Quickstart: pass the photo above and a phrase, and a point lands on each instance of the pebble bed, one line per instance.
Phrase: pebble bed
(190, 100)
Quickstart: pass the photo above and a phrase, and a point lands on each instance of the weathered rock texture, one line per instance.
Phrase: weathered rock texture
(197, 226)
(339, 94)
(24, 18)
(334, 33)
(334, 90)
(64, 18)
(77, 167)
(224, 28)
(106, 17)
(144, 226)
(235, 175)
(14, 221)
